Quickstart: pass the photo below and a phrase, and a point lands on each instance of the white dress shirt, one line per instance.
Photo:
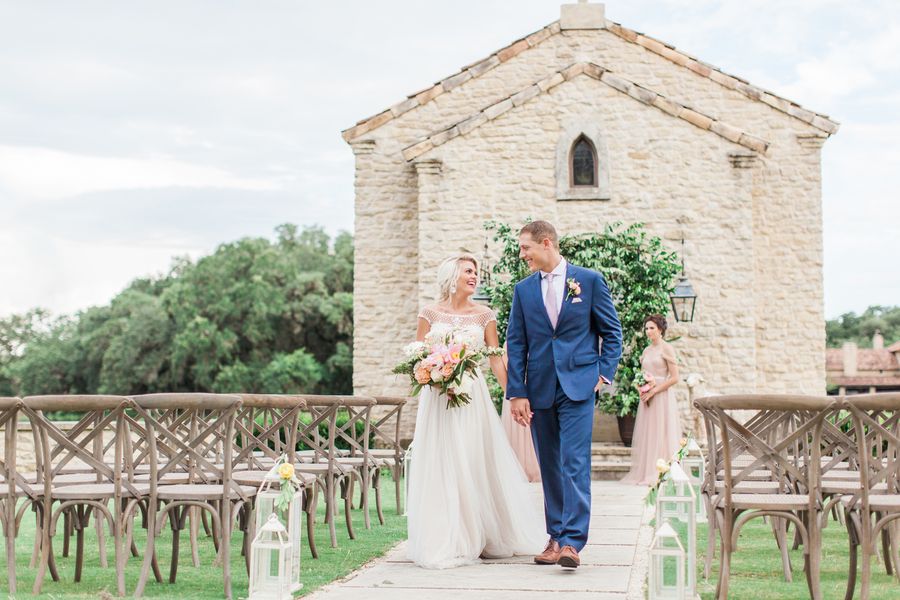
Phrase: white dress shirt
(559, 284)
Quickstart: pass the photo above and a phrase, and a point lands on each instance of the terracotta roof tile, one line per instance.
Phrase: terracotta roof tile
(639, 93)
(667, 51)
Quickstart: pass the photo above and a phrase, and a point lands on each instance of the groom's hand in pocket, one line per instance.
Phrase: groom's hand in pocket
(520, 409)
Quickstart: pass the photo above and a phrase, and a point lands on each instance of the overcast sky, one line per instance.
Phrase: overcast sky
(131, 132)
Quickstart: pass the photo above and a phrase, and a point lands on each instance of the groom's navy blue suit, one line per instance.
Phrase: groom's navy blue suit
(557, 370)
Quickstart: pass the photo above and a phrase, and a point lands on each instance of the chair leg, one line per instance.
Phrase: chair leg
(45, 547)
(195, 535)
(101, 540)
(397, 475)
(311, 504)
(377, 485)
(886, 548)
(813, 555)
(853, 539)
(225, 545)
(176, 519)
(149, 552)
(79, 521)
(348, 507)
(10, 532)
(364, 497)
(330, 509)
(778, 528)
(67, 531)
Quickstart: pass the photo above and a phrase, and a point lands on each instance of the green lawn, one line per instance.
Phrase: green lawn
(206, 581)
(756, 571)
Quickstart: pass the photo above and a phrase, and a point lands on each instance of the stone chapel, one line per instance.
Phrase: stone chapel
(586, 122)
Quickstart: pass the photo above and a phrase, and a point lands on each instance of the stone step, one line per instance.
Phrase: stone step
(608, 470)
(610, 452)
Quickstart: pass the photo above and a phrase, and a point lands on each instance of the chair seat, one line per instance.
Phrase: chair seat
(255, 478)
(753, 487)
(771, 501)
(168, 478)
(319, 468)
(878, 502)
(841, 475)
(384, 453)
(74, 479)
(95, 491)
(200, 491)
(759, 475)
(837, 486)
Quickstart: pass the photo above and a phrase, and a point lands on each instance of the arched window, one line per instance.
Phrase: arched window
(583, 163)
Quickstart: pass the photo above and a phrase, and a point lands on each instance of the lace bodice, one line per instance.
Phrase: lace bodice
(470, 326)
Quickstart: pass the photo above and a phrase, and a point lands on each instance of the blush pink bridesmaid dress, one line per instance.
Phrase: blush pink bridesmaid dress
(657, 430)
(521, 441)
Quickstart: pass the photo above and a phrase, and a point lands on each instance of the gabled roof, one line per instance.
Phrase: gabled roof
(595, 71)
(667, 51)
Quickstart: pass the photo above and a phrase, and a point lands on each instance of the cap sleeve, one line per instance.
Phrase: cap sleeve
(668, 354)
(428, 314)
(488, 317)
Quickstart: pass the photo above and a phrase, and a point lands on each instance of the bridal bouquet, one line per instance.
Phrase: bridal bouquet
(448, 366)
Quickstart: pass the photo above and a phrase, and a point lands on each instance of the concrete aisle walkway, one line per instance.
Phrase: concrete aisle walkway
(613, 564)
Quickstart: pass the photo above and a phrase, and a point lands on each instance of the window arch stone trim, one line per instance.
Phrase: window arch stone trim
(570, 132)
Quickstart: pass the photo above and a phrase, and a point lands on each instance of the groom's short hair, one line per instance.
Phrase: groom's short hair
(541, 230)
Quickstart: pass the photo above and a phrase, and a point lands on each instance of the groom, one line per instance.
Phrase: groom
(555, 367)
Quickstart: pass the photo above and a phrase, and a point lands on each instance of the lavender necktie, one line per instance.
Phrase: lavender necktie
(550, 300)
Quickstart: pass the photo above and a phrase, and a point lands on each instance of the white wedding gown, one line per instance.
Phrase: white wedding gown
(468, 495)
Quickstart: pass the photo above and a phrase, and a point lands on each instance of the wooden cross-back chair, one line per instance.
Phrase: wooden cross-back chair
(12, 484)
(388, 450)
(357, 457)
(205, 455)
(873, 508)
(794, 459)
(81, 448)
(266, 430)
(320, 458)
(766, 425)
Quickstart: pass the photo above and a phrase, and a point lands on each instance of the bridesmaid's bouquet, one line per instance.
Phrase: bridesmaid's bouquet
(448, 366)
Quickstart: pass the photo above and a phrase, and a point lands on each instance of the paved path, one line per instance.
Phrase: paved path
(613, 564)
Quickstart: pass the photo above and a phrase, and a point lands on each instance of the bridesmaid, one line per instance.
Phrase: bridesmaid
(520, 440)
(657, 431)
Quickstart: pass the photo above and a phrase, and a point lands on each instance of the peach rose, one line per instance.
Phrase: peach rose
(423, 375)
(447, 370)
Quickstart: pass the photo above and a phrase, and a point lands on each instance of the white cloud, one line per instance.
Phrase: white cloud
(36, 172)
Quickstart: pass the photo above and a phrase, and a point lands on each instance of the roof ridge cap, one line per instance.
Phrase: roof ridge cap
(446, 84)
(733, 82)
(602, 74)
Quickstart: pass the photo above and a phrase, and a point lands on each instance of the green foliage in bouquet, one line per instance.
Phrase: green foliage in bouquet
(640, 273)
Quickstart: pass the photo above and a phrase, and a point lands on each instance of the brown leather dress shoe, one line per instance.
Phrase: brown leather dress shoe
(550, 554)
(568, 557)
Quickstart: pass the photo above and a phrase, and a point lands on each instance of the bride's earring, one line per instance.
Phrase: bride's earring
(453, 289)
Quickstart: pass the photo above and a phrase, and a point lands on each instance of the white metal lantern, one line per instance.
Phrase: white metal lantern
(270, 562)
(677, 500)
(667, 563)
(694, 464)
(292, 518)
(407, 463)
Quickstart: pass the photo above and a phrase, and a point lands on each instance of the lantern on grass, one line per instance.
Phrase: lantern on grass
(677, 500)
(407, 463)
(694, 464)
(667, 565)
(281, 495)
(270, 562)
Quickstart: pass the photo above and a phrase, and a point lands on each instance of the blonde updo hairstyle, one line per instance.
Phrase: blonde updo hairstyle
(448, 274)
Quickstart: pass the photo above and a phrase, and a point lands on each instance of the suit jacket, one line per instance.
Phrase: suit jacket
(539, 355)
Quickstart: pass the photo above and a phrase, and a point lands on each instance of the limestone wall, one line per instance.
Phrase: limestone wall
(752, 225)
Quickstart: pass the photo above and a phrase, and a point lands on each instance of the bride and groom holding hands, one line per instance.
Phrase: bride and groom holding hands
(468, 496)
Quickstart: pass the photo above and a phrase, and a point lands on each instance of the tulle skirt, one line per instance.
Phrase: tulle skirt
(468, 496)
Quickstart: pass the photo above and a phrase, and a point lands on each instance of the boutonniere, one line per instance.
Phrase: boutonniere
(574, 290)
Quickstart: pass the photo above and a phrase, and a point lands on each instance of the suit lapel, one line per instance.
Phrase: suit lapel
(538, 298)
(566, 299)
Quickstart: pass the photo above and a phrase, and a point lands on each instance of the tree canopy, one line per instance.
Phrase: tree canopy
(850, 327)
(254, 316)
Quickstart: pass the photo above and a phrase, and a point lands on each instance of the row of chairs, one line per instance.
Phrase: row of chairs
(191, 461)
(796, 461)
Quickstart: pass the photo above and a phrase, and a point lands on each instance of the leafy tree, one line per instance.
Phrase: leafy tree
(640, 274)
(255, 316)
(851, 327)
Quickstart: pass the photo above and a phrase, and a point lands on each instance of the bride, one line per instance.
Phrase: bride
(468, 496)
